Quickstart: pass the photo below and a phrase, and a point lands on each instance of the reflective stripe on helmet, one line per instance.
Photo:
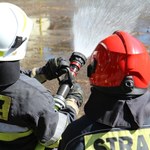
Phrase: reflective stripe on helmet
(2, 53)
(25, 23)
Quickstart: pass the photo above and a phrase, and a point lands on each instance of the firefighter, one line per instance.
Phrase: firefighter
(28, 118)
(117, 113)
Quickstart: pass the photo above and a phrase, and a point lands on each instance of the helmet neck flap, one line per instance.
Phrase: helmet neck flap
(9, 72)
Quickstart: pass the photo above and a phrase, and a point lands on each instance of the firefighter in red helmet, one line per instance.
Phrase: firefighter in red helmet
(117, 114)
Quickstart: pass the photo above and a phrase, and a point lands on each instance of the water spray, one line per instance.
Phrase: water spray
(77, 60)
(93, 21)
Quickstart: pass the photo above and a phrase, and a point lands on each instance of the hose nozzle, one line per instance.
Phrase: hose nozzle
(77, 60)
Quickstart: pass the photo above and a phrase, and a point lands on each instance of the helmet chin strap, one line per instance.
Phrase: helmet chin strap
(18, 41)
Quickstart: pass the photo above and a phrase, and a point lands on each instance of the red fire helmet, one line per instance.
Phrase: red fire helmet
(117, 58)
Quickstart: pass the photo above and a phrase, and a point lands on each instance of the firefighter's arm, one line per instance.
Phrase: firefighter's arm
(73, 101)
(74, 98)
(54, 68)
(68, 114)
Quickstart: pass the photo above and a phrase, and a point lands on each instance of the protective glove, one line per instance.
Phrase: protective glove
(54, 68)
(75, 97)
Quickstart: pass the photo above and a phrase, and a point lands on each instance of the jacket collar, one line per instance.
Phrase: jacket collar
(118, 111)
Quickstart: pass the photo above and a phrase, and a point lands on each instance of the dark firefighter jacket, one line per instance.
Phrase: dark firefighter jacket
(111, 123)
(27, 116)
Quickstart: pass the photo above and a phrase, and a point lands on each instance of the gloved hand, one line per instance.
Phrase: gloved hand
(54, 68)
(75, 97)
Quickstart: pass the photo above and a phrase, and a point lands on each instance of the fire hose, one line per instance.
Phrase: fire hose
(77, 60)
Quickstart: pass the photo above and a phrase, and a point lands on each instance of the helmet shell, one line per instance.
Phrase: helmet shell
(15, 29)
(118, 56)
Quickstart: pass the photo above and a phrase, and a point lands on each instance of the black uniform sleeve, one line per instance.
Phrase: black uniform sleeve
(33, 107)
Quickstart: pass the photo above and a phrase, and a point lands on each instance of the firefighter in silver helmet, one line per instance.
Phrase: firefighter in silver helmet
(28, 118)
(117, 113)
